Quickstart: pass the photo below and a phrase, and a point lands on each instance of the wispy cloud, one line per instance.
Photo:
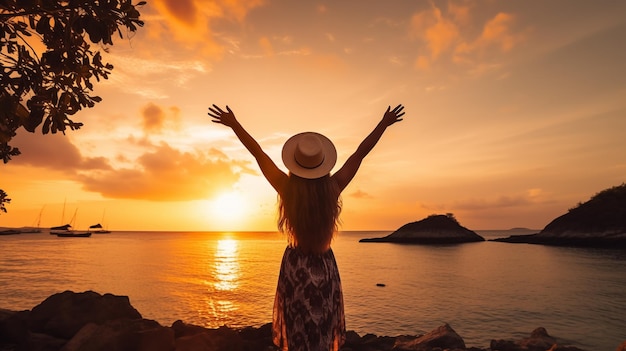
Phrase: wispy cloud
(529, 197)
(152, 78)
(360, 194)
(448, 35)
(190, 23)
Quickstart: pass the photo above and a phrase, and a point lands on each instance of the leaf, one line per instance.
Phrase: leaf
(43, 26)
(34, 119)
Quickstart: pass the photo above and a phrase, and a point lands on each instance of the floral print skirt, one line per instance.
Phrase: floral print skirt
(308, 307)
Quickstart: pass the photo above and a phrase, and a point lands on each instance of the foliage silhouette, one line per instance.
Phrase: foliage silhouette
(46, 89)
(3, 201)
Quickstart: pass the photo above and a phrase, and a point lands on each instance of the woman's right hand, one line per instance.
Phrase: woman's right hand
(392, 116)
(226, 118)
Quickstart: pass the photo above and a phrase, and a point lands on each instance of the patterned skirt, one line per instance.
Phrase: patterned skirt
(308, 307)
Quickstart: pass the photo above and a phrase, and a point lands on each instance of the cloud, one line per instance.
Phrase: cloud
(55, 152)
(166, 174)
(439, 33)
(156, 172)
(191, 21)
(152, 77)
(529, 197)
(497, 32)
(359, 194)
(449, 36)
(153, 117)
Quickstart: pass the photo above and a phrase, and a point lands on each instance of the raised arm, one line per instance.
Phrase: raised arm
(272, 173)
(345, 174)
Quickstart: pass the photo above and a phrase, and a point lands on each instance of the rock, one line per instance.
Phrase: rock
(181, 329)
(43, 342)
(369, 342)
(114, 330)
(257, 338)
(435, 229)
(352, 338)
(14, 326)
(123, 335)
(539, 340)
(64, 314)
(504, 345)
(443, 337)
(221, 339)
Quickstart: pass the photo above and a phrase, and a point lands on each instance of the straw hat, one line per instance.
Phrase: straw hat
(309, 155)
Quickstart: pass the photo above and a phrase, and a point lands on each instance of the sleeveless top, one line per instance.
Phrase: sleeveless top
(308, 307)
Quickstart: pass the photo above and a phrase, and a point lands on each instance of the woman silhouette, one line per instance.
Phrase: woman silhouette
(308, 307)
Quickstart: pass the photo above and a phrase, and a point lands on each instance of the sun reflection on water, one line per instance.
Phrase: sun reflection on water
(225, 276)
(226, 266)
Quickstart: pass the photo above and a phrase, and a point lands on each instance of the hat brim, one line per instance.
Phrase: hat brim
(330, 157)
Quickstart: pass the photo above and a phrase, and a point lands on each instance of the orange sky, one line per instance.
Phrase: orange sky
(515, 112)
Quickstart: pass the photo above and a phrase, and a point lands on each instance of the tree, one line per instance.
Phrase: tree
(3, 200)
(45, 89)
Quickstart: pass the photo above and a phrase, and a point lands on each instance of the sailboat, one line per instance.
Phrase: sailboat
(64, 231)
(98, 227)
(36, 228)
(65, 227)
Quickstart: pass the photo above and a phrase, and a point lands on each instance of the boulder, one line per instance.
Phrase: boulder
(444, 337)
(14, 326)
(181, 329)
(123, 335)
(63, 315)
(434, 229)
(221, 339)
(257, 338)
(539, 340)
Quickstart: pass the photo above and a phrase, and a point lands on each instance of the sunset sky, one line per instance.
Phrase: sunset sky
(515, 112)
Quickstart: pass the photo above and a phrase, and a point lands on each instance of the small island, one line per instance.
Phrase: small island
(599, 222)
(434, 229)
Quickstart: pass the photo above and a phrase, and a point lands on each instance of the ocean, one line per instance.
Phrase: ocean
(485, 290)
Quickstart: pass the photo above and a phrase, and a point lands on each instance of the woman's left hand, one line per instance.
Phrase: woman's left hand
(392, 116)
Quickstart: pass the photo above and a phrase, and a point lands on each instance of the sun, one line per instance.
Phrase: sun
(229, 207)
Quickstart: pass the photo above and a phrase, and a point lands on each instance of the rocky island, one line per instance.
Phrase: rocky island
(89, 321)
(434, 229)
(599, 222)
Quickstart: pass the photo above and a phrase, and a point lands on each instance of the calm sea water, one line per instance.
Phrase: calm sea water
(483, 290)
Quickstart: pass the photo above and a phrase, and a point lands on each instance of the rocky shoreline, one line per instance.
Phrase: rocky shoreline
(89, 321)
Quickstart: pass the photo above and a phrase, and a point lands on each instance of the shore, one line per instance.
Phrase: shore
(90, 321)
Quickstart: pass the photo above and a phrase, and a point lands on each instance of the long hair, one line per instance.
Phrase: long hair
(308, 212)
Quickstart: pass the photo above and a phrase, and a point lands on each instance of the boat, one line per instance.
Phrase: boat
(59, 229)
(36, 228)
(9, 232)
(64, 231)
(99, 229)
(73, 234)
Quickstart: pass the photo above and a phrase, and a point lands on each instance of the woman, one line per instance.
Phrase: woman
(308, 307)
